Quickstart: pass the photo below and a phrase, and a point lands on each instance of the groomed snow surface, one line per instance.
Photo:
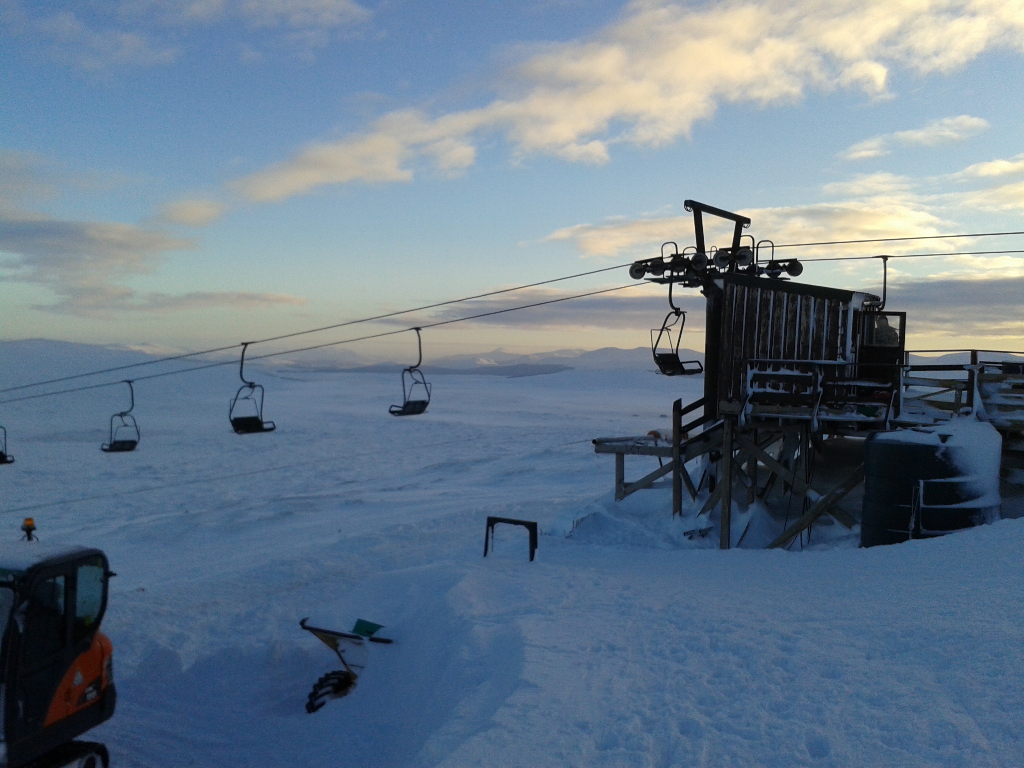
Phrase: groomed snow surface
(624, 644)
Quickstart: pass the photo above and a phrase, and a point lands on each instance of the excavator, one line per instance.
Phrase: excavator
(56, 668)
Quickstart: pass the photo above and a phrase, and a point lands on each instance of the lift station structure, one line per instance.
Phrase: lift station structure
(788, 369)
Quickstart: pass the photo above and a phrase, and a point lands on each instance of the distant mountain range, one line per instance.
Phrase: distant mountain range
(512, 365)
(34, 359)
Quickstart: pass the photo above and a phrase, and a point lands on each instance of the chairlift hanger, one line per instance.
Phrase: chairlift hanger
(668, 361)
(415, 389)
(5, 457)
(125, 435)
(249, 397)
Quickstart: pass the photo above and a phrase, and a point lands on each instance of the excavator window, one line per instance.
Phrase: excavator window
(88, 597)
(45, 625)
(6, 603)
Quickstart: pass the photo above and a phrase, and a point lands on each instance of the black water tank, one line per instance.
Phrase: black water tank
(960, 467)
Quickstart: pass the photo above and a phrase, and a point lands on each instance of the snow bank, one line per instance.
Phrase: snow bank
(626, 644)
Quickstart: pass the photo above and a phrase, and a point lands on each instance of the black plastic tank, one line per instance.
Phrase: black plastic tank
(930, 481)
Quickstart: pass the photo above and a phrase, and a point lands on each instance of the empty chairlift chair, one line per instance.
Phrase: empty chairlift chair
(124, 430)
(415, 389)
(5, 457)
(246, 410)
(666, 349)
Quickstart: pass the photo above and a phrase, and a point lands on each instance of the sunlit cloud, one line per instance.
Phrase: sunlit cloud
(649, 77)
(948, 130)
(995, 168)
(192, 213)
(968, 307)
(84, 264)
(876, 217)
(1006, 197)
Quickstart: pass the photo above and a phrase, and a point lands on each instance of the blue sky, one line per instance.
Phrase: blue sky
(190, 173)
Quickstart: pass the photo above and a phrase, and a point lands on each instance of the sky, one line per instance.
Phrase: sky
(181, 174)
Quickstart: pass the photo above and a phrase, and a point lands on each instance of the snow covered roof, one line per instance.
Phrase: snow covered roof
(21, 555)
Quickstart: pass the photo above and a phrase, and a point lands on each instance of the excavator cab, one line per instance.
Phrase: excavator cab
(56, 667)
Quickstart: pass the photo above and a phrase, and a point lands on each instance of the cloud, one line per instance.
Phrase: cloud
(102, 37)
(101, 49)
(302, 14)
(84, 263)
(1007, 197)
(991, 307)
(24, 177)
(945, 131)
(661, 68)
(877, 217)
(192, 213)
(995, 168)
(640, 307)
(869, 185)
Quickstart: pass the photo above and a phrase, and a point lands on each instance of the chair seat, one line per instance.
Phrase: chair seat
(6, 458)
(670, 365)
(245, 425)
(410, 408)
(120, 446)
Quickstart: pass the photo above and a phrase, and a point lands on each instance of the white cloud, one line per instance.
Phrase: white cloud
(866, 149)
(649, 77)
(1003, 198)
(876, 217)
(944, 131)
(84, 263)
(192, 213)
(995, 168)
(869, 185)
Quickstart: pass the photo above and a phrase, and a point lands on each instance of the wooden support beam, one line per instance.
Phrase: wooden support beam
(644, 482)
(712, 500)
(689, 483)
(825, 504)
(725, 526)
(773, 464)
(677, 465)
(752, 474)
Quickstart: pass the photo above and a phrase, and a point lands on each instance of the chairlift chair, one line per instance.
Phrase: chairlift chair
(246, 410)
(5, 457)
(124, 430)
(415, 389)
(666, 350)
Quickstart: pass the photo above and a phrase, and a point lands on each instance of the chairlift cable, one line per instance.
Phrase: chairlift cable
(898, 239)
(912, 255)
(315, 330)
(320, 346)
(213, 350)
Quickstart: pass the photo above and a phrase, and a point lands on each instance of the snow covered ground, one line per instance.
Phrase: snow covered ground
(621, 645)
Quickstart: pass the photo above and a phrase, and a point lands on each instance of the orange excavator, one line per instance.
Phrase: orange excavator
(56, 670)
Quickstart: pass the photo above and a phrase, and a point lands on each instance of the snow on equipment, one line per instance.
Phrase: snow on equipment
(56, 671)
(246, 411)
(529, 525)
(124, 431)
(340, 682)
(415, 389)
(5, 457)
